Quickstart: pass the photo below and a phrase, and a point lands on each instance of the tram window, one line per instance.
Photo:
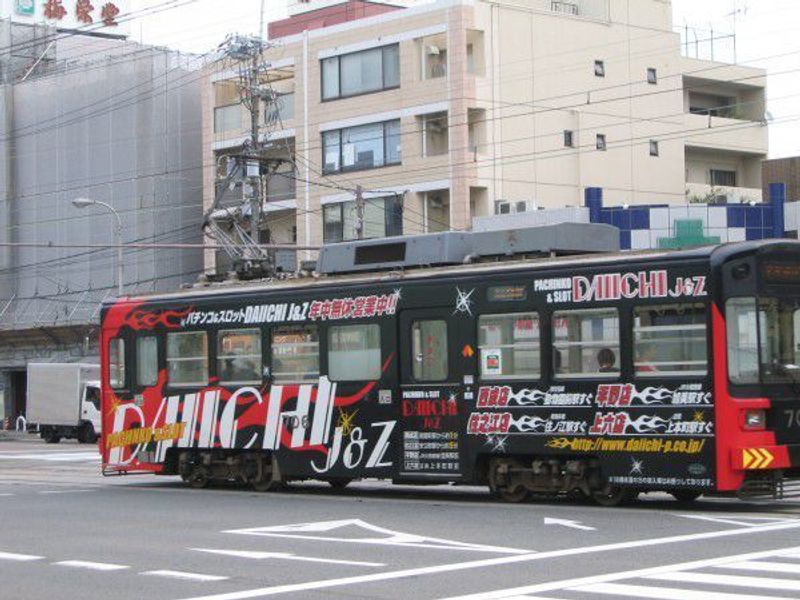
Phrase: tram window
(146, 361)
(187, 358)
(509, 346)
(295, 354)
(670, 340)
(239, 356)
(429, 350)
(586, 343)
(116, 363)
(354, 353)
(742, 330)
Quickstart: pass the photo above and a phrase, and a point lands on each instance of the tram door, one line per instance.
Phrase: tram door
(437, 363)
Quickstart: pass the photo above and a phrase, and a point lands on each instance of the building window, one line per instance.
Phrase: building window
(383, 217)
(429, 361)
(723, 178)
(146, 361)
(187, 358)
(601, 142)
(569, 139)
(116, 363)
(509, 346)
(228, 118)
(295, 354)
(670, 340)
(354, 353)
(652, 76)
(239, 356)
(586, 343)
(362, 147)
(435, 134)
(653, 148)
(599, 68)
(434, 56)
(361, 72)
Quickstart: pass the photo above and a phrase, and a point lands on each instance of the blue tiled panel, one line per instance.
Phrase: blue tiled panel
(756, 233)
(625, 240)
(622, 219)
(640, 218)
(736, 216)
(768, 219)
(754, 216)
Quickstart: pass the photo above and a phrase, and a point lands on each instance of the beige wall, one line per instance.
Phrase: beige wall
(534, 78)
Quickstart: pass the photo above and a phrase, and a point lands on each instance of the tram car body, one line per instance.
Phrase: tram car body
(610, 374)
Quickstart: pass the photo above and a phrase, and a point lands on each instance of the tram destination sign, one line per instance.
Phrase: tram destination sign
(786, 273)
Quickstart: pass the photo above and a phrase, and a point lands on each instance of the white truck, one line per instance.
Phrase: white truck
(64, 400)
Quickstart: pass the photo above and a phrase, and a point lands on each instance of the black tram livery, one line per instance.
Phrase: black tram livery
(610, 374)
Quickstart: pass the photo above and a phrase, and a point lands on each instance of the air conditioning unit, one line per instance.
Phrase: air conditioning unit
(512, 207)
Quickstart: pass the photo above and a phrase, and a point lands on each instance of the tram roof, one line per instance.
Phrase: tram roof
(720, 253)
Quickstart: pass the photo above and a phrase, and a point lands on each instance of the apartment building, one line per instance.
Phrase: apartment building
(443, 111)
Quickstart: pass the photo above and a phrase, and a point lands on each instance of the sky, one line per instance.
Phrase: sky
(767, 36)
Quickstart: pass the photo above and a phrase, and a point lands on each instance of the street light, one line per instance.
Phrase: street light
(85, 203)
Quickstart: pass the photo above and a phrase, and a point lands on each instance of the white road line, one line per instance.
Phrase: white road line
(92, 566)
(768, 583)
(185, 576)
(641, 591)
(5, 495)
(767, 567)
(505, 560)
(596, 579)
(286, 556)
(53, 492)
(19, 557)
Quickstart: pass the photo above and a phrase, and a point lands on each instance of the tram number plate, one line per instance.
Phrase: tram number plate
(489, 423)
(793, 418)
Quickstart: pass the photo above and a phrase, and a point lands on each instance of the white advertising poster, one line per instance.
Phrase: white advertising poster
(491, 361)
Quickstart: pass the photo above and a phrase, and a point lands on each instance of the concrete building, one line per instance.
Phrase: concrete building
(112, 121)
(455, 109)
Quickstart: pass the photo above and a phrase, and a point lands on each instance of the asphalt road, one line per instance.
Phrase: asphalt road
(66, 532)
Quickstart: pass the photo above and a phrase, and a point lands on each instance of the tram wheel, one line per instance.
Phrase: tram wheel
(340, 483)
(266, 481)
(508, 491)
(614, 496)
(198, 478)
(685, 496)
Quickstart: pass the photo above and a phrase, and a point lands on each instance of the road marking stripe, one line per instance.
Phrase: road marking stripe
(641, 591)
(18, 557)
(52, 492)
(768, 583)
(767, 567)
(591, 580)
(286, 556)
(184, 575)
(93, 566)
(506, 560)
(5, 495)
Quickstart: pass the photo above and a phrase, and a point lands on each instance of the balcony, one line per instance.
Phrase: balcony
(739, 135)
(281, 191)
(281, 111)
(702, 193)
(591, 9)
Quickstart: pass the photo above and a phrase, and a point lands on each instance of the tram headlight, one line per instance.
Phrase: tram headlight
(755, 420)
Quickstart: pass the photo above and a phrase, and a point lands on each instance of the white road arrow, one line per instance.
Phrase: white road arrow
(568, 523)
(286, 556)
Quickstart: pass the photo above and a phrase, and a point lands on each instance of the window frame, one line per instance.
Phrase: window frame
(385, 141)
(599, 68)
(383, 87)
(392, 206)
(569, 138)
(276, 380)
(652, 75)
(654, 148)
(329, 330)
(207, 356)
(139, 339)
(446, 350)
(218, 356)
(703, 308)
(112, 383)
(618, 347)
(538, 344)
(601, 142)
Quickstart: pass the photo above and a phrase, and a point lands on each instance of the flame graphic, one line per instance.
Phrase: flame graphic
(647, 424)
(528, 424)
(527, 397)
(651, 395)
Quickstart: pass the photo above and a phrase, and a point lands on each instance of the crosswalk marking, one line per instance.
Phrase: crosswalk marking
(55, 456)
(184, 575)
(92, 566)
(641, 591)
(768, 567)
(18, 557)
(768, 583)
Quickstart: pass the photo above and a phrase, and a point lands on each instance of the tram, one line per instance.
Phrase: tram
(507, 364)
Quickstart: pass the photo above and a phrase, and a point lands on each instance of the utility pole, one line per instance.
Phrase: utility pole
(359, 212)
(254, 161)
